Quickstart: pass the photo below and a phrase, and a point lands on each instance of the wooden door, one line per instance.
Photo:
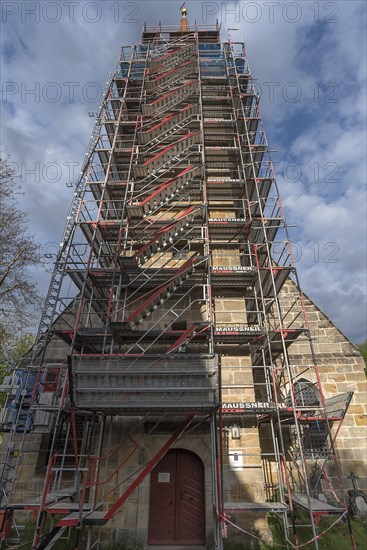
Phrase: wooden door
(177, 500)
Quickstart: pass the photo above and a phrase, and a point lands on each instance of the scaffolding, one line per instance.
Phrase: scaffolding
(176, 207)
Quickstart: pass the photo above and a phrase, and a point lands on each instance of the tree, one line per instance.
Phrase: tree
(363, 349)
(13, 350)
(18, 252)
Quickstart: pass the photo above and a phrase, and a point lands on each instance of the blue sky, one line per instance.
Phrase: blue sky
(310, 65)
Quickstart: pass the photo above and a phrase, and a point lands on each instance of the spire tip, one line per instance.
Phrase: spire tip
(183, 10)
(184, 24)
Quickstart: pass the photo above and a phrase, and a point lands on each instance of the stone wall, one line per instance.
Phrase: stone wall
(342, 369)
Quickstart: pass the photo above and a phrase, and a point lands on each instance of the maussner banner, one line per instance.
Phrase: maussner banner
(251, 406)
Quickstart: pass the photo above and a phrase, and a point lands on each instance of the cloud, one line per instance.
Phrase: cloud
(315, 47)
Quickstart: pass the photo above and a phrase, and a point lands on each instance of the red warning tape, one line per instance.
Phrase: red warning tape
(226, 520)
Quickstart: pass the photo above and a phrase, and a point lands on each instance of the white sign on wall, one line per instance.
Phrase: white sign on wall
(235, 460)
(164, 477)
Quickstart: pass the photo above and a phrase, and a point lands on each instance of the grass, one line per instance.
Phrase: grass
(27, 539)
(335, 539)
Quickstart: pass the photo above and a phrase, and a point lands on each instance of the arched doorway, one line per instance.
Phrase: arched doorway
(177, 500)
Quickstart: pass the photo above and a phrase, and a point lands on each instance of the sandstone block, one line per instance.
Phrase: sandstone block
(360, 420)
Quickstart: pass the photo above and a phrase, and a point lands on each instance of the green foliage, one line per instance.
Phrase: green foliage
(337, 537)
(363, 349)
(13, 349)
(28, 533)
(67, 542)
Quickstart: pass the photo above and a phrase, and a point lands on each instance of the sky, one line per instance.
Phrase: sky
(309, 62)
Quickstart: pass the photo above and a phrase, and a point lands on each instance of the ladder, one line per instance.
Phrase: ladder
(16, 439)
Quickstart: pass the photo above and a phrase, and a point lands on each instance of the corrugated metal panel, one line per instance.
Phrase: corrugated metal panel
(148, 382)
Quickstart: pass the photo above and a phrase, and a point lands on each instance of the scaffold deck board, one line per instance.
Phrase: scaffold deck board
(88, 518)
(255, 507)
(315, 505)
(65, 507)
